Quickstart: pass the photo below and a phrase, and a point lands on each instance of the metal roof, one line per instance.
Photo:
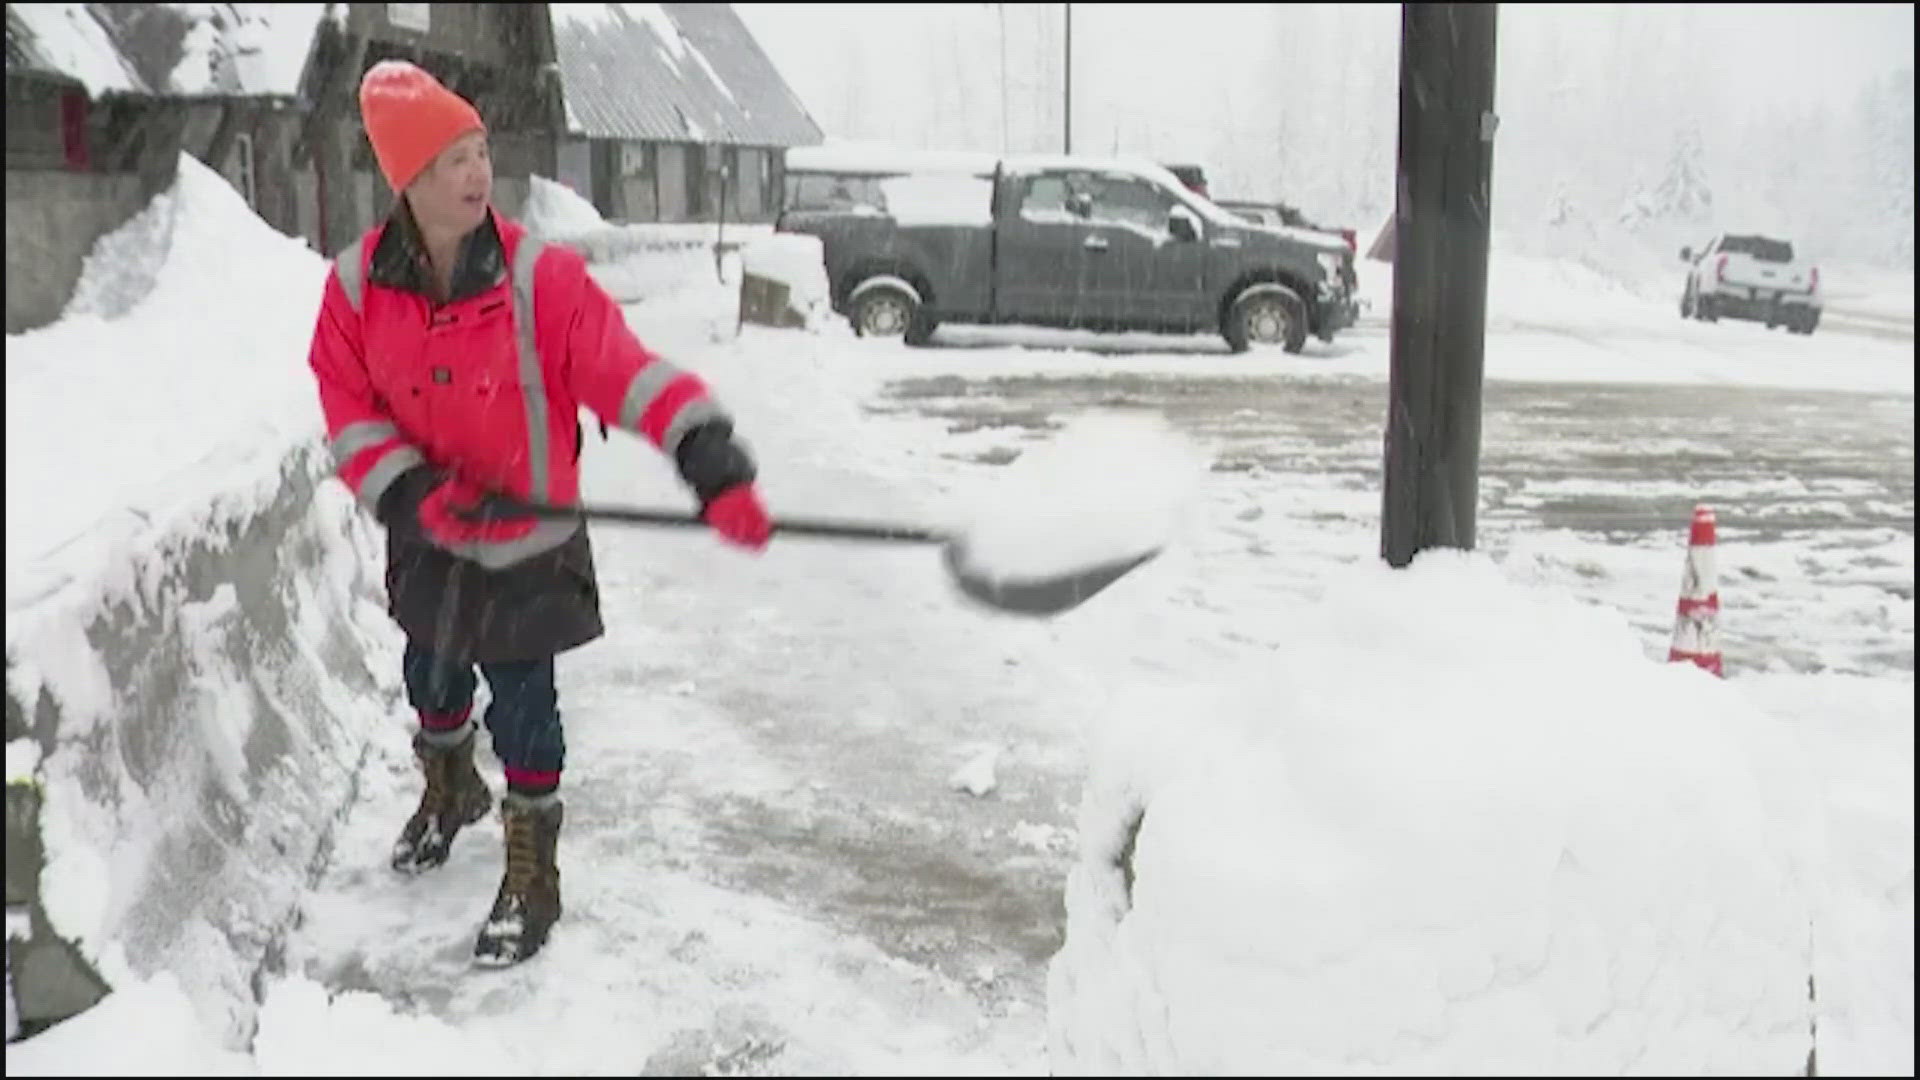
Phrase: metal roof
(673, 73)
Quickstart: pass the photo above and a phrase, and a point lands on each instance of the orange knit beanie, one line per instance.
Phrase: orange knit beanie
(410, 117)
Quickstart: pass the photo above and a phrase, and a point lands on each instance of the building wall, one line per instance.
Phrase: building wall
(53, 219)
(670, 163)
(574, 166)
(55, 210)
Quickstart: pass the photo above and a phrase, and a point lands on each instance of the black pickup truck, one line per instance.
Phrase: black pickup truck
(1076, 243)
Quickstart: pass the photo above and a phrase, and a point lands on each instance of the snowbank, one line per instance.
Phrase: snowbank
(180, 361)
(195, 642)
(1522, 847)
(1859, 736)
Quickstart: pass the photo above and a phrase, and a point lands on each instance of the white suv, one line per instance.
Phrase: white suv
(1754, 278)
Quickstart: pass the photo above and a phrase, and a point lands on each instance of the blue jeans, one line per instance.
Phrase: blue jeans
(524, 718)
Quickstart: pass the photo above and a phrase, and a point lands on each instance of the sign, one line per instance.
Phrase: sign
(411, 16)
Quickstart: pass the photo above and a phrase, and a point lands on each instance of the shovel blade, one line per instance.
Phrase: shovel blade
(1040, 596)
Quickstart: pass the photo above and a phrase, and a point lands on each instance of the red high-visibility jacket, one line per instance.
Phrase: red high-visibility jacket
(488, 386)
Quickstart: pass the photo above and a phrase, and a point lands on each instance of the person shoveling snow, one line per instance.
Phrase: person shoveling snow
(452, 355)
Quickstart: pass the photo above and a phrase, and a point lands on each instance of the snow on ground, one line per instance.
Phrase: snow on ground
(1448, 825)
(769, 870)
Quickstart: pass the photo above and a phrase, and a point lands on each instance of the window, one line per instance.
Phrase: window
(1762, 248)
(637, 159)
(418, 17)
(1118, 201)
(1045, 201)
(828, 191)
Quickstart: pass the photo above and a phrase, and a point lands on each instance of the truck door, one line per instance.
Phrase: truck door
(1136, 272)
(1037, 271)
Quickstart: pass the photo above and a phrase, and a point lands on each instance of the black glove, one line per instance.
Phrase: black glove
(711, 461)
(399, 508)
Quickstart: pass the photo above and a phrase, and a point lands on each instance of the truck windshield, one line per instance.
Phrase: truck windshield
(1761, 248)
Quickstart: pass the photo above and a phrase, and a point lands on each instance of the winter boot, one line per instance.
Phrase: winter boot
(455, 797)
(528, 903)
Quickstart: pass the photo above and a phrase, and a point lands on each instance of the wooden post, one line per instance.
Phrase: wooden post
(1442, 212)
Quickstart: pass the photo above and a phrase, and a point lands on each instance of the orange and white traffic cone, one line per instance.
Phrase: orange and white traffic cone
(1696, 625)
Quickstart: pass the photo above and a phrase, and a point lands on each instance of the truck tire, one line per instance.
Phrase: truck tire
(1267, 315)
(1686, 303)
(888, 311)
(1805, 324)
(1704, 305)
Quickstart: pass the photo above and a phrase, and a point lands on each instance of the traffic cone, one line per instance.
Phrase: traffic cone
(1696, 625)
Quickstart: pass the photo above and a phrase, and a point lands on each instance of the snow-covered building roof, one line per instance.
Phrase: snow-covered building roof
(244, 49)
(673, 73)
(67, 40)
(177, 50)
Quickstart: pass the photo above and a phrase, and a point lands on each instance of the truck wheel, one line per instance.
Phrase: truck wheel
(1686, 304)
(1704, 305)
(887, 311)
(1268, 315)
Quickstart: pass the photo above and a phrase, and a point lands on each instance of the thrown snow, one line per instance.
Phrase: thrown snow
(976, 777)
(1450, 825)
(1107, 488)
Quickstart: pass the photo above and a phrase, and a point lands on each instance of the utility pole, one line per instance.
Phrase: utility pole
(1068, 81)
(1003, 78)
(1441, 212)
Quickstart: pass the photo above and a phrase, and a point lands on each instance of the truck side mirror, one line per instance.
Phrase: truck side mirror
(1686, 254)
(1181, 223)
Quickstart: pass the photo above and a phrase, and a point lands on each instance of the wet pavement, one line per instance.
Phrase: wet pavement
(1813, 490)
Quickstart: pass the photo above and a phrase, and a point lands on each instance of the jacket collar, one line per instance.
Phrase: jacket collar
(400, 258)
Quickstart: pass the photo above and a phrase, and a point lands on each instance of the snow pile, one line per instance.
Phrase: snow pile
(202, 374)
(1859, 736)
(192, 608)
(554, 209)
(1108, 488)
(1451, 825)
(794, 259)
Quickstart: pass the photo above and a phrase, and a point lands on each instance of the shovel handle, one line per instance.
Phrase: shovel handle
(498, 506)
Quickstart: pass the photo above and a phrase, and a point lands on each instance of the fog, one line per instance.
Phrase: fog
(1623, 127)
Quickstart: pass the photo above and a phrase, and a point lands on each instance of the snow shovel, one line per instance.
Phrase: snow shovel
(1028, 595)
